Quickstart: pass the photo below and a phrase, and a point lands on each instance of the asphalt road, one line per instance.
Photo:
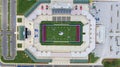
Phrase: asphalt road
(66, 66)
(13, 65)
(5, 32)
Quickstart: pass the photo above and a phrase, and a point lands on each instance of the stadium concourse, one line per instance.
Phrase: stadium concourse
(55, 11)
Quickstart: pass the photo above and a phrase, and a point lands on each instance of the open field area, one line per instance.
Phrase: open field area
(24, 5)
(20, 58)
(69, 33)
(111, 62)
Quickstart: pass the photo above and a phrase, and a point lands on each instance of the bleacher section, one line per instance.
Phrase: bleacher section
(61, 11)
(37, 60)
(35, 6)
(92, 37)
(60, 18)
(81, 1)
(38, 53)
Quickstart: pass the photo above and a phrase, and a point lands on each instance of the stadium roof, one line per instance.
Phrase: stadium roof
(81, 1)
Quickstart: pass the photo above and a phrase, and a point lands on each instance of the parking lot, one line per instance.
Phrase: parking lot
(8, 43)
(107, 15)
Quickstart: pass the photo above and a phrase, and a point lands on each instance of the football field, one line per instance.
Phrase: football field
(60, 33)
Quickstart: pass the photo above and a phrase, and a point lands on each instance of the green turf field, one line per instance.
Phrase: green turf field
(61, 33)
(24, 5)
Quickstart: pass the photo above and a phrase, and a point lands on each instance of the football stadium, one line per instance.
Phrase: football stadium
(57, 32)
(60, 33)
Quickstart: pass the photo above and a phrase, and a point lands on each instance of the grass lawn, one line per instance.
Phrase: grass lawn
(24, 5)
(19, 20)
(20, 58)
(61, 33)
(19, 45)
(8, 15)
(92, 58)
(111, 62)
